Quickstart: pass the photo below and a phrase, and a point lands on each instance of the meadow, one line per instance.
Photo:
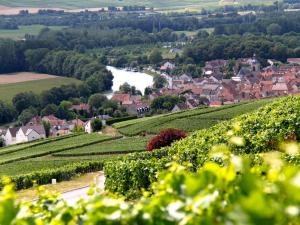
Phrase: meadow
(8, 91)
(23, 30)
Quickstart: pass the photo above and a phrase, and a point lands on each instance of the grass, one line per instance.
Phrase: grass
(167, 4)
(20, 33)
(8, 91)
(190, 120)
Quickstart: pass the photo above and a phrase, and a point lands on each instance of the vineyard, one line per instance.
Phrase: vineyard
(190, 120)
(54, 154)
(241, 171)
(250, 134)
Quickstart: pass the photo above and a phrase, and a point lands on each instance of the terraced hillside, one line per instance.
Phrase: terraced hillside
(63, 151)
(189, 120)
(64, 157)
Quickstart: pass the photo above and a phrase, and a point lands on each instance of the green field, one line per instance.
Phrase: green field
(167, 4)
(20, 33)
(58, 152)
(8, 91)
(190, 120)
(42, 155)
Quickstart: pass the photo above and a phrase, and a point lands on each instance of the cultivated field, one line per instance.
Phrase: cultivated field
(23, 77)
(10, 85)
(20, 33)
(42, 155)
(14, 6)
(190, 120)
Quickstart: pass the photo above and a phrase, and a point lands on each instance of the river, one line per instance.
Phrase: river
(137, 79)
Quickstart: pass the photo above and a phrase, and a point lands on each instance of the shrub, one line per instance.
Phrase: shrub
(1, 142)
(96, 125)
(165, 138)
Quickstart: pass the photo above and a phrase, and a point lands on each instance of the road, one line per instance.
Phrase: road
(71, 197)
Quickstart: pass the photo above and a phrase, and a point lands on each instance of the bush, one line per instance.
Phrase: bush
(165, 138)
(60, 174)
(1, 142)
(96, 125)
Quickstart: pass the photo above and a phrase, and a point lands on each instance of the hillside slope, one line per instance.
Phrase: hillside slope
(250, 134)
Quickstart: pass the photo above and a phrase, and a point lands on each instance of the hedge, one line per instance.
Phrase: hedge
(63, 173)
(120, 119)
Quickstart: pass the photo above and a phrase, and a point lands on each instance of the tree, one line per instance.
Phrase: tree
(274, 29)
(47, 127)
(7, 113)
(97, 100)
(125, 88)
(166, 102)
(96, 125)
(26, 115)
(25, 100)
(155, 56)
(50, 109)
(159, 82)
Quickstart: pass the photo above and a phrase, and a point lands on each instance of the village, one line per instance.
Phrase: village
(249, 81)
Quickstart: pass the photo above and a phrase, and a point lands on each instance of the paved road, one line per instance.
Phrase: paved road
(73, 196)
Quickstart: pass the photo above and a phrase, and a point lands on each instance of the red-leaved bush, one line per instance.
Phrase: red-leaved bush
(165, 138)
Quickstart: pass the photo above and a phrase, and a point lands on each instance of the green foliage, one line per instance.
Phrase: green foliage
(96, 125)
(235, 192)
(61, 174)
(120, 119)
(260, 131)
(189, 120)
(52, 147)
(155, 56)
(159, 81)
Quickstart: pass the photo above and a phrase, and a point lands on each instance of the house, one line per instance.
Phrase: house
(10, 136)
(75, 123)
(179, 107)
(167, 66)
(37, 120)
(192, 103)
(88, 127)
(30, 133)
(175, 50)
(61, 130)
(186, 78)
(54, 121)
(280, 88)
(294, 61)
(121, 98)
